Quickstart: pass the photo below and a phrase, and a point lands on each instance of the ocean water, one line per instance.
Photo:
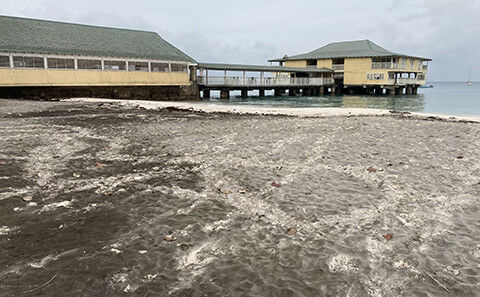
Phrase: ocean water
(449, 98)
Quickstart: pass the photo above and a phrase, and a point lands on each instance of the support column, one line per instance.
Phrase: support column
(206, 94)
(321, 91)
(415, 90)
(224, 94)
(193, 73)
(409, 90)
(334, 89)
(244, 93)
(370, 91)
(291, 92)
(277, 92)
(261, 93)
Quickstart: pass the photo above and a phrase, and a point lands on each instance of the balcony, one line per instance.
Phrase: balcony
(338, 67)
(226, 81)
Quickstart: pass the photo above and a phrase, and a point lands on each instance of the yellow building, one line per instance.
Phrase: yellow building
(54, 59)
(363, 66)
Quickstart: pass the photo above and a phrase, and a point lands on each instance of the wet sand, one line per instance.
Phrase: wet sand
(112, 199)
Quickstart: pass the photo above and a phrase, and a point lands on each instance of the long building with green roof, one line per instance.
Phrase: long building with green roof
(40, 53)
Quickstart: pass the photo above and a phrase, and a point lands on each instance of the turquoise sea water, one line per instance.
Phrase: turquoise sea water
(450, 98)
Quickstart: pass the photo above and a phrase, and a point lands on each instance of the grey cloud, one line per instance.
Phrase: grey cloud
(252, 31)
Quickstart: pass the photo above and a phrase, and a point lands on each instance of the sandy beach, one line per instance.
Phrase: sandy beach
(139, 198)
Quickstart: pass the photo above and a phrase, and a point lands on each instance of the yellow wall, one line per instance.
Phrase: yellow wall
(325, 63)
(300, 63)
(50, 77)
(356, 69)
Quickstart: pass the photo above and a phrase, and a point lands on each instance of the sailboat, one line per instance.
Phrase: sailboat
(469, 83)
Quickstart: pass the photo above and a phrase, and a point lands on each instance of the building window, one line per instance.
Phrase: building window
(179, 67)
(375, 76)
(138, 66)
(114, 65)
(28, 62)
(419, 64)
(60, 63)
(4, 62)
(411, 64)
(159, 67)
(420, 77)
(403, 63)
(89, 64)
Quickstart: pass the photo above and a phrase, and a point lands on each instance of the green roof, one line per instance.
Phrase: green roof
(48, 37)
(346, 49)
(265, 68)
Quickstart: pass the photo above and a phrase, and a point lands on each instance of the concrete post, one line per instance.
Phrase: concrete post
(206, 94)
(224, 94)
(409, 90)
(334, 89)
(244, 93)
(415, 90)
(261, 93)
(277, 92)
(322, 91)
(193, 73)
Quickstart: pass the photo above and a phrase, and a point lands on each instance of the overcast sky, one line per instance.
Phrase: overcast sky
(252, 31)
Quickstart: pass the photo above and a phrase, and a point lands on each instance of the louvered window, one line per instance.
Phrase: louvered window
(138, 66)
(159, 67)
(60, 63)
(89, 64)
(4, 62)
(114, 65)
(179, 67)
(28, 62)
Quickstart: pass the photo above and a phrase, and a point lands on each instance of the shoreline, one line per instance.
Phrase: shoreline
(304, 112)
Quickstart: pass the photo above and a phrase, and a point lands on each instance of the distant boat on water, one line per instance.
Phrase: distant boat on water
(469, 82)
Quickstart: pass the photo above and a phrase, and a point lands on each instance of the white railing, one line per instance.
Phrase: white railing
(338, 66)
(406, 81)
(263, 82)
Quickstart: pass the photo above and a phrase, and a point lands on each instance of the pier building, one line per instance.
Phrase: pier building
(364, 67)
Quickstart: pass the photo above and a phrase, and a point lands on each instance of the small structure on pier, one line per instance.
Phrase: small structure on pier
(297, 80)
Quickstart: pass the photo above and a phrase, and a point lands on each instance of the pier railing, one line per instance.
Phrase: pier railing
(408, 81)
(263, 81)
(338, 66)
(390, 65)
